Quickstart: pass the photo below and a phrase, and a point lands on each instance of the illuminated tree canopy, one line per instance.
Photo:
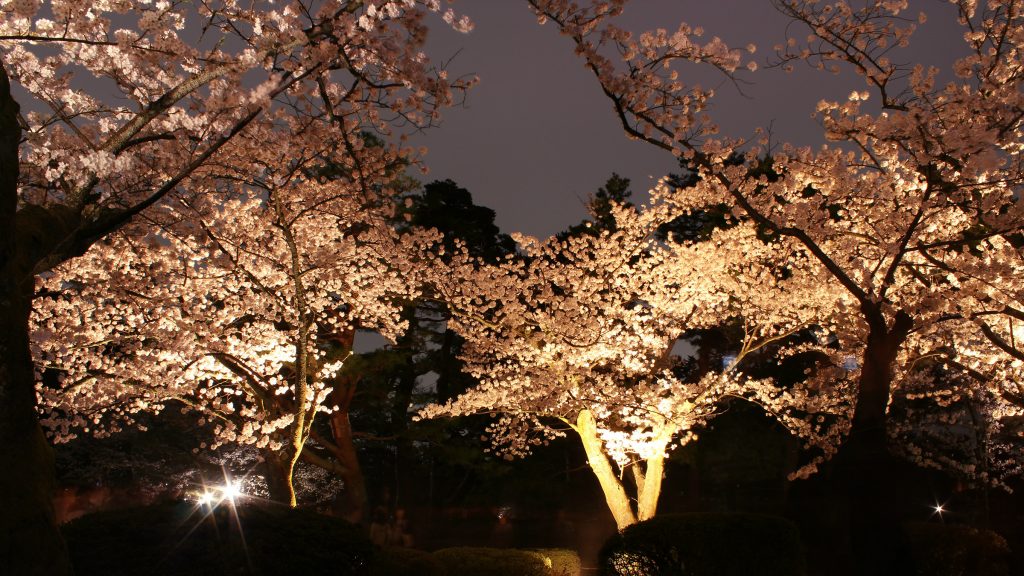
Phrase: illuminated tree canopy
(578, 334)
(912, 213)
(246, 319)
(131, 110)
(192, 208)
(905, 236)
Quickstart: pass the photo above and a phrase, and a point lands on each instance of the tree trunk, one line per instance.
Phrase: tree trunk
(345, 450)
(866, 474)
(648, 486)
(869, 416)
(275, 467)
(614, 494)
(355, 485)
(404, 450)
(30, 542)
(447, 367)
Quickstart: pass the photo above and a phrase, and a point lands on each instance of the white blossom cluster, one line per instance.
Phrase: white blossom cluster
(579, 331)
(912, 213)
(222, 317)
(206, 190)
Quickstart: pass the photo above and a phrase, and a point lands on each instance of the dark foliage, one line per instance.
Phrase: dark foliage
(705, 545)
(447, 207)
(599, 205)
(434, 462)
(563, 562)
(392, 561)
(466, 561)
(178, 539)
(955, 550)
(742, 460)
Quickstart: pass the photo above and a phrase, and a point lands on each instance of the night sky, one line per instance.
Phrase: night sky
(536, 135)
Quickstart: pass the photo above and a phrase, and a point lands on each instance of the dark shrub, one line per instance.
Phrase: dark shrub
(180, 539)
(561, 562)
(390, 561)
(467, 561)
(957, 550)
(705, 545)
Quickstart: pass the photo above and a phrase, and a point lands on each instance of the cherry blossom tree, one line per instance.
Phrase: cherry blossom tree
(917, 219)
(246, 321)
(127, 106)
(913, 210)
(577, 334)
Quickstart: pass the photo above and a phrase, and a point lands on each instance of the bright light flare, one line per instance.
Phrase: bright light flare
(212, 497)
(231, 491)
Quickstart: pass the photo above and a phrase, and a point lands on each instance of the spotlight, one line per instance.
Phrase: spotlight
(231, 491)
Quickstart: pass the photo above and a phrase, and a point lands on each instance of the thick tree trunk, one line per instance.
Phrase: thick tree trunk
(865, 472)
(614, 494)
(30, 542)
(869, 416)
(648, 486)
(883, 346)
(355, 485)
(344, 450)
(275, 469)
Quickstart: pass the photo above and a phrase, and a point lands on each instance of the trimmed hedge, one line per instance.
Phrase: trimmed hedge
(468, 561)
(480, 561)
(957, 550)
(713, 544)
(394, 561)
(562, 562)
(178, 539)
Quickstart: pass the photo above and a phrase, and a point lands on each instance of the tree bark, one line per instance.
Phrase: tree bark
(344, 450)
(30, 542)
(355, 484)
(275, 468)
(649, 485)
(614, 494)
(883, 345)
(447, 367)
(866, 474)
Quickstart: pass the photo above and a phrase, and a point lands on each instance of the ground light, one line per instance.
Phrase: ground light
(229, 491)
(211, 498)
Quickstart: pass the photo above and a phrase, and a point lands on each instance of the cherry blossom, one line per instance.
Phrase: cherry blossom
(125, 115)
(912, 211)
(578, 335)
(245, 319)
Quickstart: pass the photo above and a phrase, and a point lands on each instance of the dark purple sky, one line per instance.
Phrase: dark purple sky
(536, 135)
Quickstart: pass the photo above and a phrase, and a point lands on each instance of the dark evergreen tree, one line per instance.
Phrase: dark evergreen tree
(413, 461)
(599, 205)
